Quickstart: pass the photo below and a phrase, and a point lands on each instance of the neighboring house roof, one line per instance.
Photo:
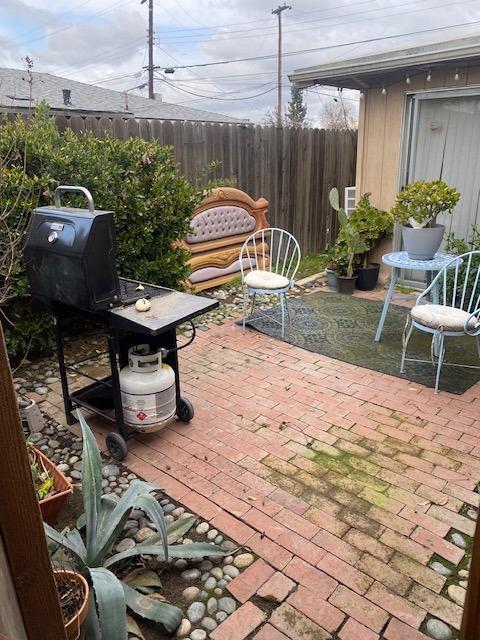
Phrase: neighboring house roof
(88, 99)
(371, 70)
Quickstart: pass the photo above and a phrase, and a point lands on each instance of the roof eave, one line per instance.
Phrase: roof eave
(356, 75)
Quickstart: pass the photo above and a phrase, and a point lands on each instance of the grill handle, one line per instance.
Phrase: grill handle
(66, 188)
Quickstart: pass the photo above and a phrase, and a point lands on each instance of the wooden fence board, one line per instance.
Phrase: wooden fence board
(294, 169)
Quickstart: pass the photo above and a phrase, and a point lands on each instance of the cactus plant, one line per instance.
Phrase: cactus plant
(354, 244)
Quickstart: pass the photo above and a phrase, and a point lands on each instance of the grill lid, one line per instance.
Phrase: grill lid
(70, 255)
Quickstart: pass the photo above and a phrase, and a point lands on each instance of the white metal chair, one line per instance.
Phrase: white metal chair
(269, 260)
(458, 287)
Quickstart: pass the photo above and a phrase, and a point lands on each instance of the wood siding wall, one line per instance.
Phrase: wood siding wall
(293, 169)
(380, 131)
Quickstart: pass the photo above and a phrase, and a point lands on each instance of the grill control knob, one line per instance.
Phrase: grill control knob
(53, 236)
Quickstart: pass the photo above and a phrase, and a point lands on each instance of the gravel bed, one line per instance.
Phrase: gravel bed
(198, 586)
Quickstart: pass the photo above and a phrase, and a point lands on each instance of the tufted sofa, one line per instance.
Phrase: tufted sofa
(220, 225)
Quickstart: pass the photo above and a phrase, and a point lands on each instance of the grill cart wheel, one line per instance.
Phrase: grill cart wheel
(116, 445)
(185, 410)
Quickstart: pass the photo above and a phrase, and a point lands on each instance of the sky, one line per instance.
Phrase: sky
(104, 42)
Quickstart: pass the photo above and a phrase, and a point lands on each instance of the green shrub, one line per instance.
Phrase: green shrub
(137, 179)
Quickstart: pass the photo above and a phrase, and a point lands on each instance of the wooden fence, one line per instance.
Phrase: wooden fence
(294, 169)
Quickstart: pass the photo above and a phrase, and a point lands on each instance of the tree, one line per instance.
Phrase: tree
(296, 109)
(338, 114)
(295, 118)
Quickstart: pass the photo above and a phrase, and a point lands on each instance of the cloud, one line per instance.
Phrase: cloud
(105, 41)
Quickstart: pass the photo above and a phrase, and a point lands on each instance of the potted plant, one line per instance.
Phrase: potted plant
(51, 486)
(372, 225)
(353, 246)
(73, 594)
(331, 262)
(417, 207)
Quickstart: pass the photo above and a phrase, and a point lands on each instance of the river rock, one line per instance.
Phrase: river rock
(209, 624)
(231, 571)
(212, 605)
(217, 573)
(458, 540)
(438, 630)
(210, 583)
(195, 612)
(212, 534)
(125, 544)
(243, 560)
(205, 565)
(227, 604)
(441, 569)
(202, 528)
(198, 634)
(220, 616)
(190, 593)
(184, 628)
(190, 575)
(110, 470)
(144, 534)
(176, 513)
(457, 594)
(180, 564)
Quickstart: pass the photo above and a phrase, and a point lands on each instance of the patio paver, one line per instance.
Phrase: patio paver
(345, 480)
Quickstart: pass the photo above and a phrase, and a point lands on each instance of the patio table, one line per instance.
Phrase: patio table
(399, 260)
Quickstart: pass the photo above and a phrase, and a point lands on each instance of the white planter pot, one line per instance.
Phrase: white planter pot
(422, 244)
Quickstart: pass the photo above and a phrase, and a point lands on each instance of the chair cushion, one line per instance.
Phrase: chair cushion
(265, 280)
(439, 315)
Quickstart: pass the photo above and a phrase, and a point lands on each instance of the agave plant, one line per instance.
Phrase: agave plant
(90, 546)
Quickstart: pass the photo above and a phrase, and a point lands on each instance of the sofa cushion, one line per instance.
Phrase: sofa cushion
(265, 280)
(439, 315)
(220, 222)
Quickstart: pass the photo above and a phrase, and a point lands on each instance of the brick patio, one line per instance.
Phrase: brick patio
(343, 481)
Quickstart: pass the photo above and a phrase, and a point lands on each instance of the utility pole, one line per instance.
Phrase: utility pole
(278, 11)
(151, 93)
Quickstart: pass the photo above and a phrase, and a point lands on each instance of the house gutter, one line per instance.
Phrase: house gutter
(354, 69)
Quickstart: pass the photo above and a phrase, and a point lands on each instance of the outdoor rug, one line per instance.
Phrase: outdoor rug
(343, 327)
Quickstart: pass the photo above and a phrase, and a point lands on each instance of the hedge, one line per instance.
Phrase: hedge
(137, 179)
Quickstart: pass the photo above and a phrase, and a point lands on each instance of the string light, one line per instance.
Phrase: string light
(456, 76)
(407, 79)
(362, 95)
(429, 76)
(384, 91)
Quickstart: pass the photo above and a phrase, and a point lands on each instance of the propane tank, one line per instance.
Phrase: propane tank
(147, 386)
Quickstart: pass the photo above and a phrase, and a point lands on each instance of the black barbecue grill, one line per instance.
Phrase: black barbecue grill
(70, 259)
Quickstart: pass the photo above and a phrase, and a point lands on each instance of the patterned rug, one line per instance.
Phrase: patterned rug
(343, 327)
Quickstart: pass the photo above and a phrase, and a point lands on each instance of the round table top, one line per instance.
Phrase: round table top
(401, 260)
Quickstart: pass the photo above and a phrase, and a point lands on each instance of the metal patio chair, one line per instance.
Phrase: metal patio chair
(458, 286)
(269, 260)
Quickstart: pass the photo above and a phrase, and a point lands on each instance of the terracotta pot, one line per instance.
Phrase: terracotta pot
(52, 505)
(75, 626)
(345, 284)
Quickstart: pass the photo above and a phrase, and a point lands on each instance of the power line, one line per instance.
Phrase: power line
(215, 97)
(228, 34)
(262, 20)
(325, 48)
